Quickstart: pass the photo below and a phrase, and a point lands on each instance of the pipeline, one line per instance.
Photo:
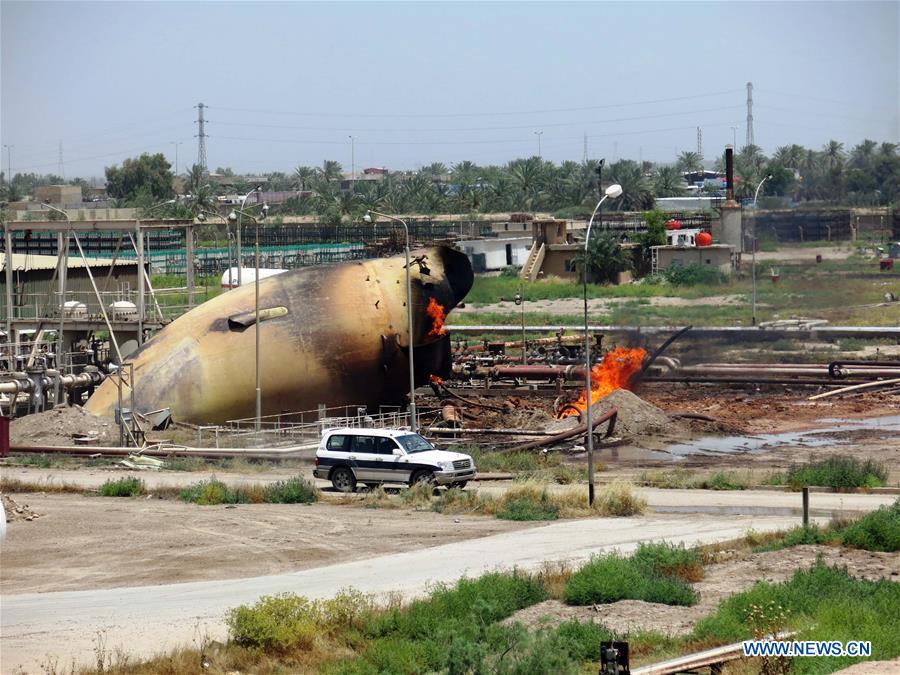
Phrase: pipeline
(609, 416)
(168, 451)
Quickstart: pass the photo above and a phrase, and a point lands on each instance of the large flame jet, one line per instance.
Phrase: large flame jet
(336, 335)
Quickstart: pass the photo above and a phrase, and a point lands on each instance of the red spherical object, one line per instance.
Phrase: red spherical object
(673, 225)
(704, 239)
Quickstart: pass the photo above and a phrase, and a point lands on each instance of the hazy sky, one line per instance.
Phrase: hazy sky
(287, 82)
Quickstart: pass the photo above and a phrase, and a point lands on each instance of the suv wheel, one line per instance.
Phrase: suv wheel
(343, 480)
(422, 477)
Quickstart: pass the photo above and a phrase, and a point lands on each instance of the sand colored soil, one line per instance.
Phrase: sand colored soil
(61, 426)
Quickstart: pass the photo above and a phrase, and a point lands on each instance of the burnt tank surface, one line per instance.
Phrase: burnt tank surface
(335, 335)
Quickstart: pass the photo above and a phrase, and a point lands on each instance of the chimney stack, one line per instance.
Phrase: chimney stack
(729, 173)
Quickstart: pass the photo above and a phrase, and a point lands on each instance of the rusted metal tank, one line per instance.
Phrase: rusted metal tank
(335, 335)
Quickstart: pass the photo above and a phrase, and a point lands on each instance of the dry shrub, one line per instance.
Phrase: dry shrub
(379, 499)
(619, 499)
(555, 575)
(418, 495)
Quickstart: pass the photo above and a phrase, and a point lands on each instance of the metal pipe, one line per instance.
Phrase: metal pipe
(140, 304)
(609, 416)
(7, 236)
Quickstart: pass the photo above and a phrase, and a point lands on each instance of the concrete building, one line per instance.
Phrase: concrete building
(552, 251)
(719, 256)
(492, 254)
(62, 196)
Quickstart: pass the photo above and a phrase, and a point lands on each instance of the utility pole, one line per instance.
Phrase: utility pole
(9, 176)
(734, 137)
(201, 136)
(700, 142)
(176, 144)
(750, 114)
(353, 161)
(584, 156)
(539, 134)
(61, 168)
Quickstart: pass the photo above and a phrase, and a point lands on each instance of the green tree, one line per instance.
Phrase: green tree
(690, 161)
(147, 176)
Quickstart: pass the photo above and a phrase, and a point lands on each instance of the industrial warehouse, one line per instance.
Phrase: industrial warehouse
(531, 378)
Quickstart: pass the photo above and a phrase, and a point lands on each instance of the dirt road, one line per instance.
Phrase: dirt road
(150, 619)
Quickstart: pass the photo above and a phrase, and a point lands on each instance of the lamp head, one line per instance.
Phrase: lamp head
(367, 218)
(768, 176)
(265, 210)
(257, 188)
(232, 217)
(201, 217)
(613, 191)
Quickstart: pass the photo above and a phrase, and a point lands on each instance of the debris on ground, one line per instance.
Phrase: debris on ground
(16, 511)
(142, 463)
(63, 425)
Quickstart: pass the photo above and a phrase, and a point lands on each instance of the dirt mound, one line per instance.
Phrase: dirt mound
(61, 426)
(16, 511)
(636, 416)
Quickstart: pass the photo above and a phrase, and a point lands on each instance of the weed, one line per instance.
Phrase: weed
(838, 472)
(379, 499)
(295, 490)
(694, 275)
(123, 487)
(613, 577)
(418, 495)
(212, 492)
(876, 531)
(683, 479)
(526, 508)
(48, 485)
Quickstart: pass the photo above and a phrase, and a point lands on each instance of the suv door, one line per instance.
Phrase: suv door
(364, 459)
(391, 469)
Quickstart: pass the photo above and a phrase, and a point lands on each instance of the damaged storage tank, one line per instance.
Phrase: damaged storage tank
(335, 335)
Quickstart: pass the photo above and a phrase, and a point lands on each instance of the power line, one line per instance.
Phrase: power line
(500, 128)
(477, 114)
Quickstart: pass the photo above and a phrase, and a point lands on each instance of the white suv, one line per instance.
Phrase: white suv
(375, 456)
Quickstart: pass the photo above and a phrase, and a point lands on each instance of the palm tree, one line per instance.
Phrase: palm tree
(305, 175)
(833, 154)
(861, 156)
(690, 161)
(435, 169)
(604, 259)
(668, 182)
(331, 171)
(636, 192)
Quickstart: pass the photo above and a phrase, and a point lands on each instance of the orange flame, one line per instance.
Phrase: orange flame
(613, 372)
(434, 379)
(437, 314)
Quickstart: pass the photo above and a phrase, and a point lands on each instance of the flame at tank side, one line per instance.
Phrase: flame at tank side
(437, 314)
(613, 372)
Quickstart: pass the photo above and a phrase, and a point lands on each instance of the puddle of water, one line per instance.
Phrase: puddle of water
(715, 445)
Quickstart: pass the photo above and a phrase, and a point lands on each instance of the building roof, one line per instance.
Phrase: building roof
(26, 262)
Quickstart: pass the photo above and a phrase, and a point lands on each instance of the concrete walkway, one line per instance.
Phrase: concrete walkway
(150, 619)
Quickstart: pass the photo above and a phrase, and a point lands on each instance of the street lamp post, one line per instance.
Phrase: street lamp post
(753, 251)
(409, 316)
(612, 192)
(240, 212)
(520, 300)
(229, 221)
(265, 212)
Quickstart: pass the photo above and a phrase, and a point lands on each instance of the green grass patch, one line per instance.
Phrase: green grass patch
(122, 487)
(654, 573)
(838, 472)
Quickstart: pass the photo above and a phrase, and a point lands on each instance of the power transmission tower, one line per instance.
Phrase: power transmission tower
(62, 168)
(201, 136)
(750, 114)
(699, 141)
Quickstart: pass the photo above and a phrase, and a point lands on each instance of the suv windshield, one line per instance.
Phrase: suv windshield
(414, 443)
